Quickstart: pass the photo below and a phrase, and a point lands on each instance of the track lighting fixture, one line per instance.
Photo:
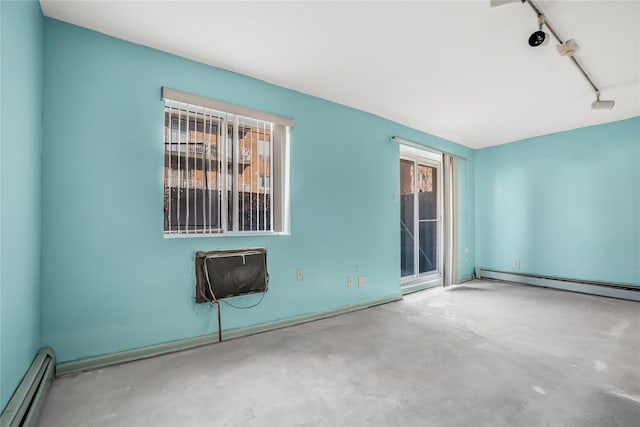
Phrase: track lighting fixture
(539, 37)
(602, 105)
(565, 48)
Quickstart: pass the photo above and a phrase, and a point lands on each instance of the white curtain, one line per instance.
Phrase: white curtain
(451, 207)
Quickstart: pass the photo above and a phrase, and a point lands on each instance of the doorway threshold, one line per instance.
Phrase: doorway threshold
(420, 284)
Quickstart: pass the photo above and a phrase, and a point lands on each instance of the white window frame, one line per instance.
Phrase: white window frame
(279, 173)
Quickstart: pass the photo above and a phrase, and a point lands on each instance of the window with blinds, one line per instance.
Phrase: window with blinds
(225, 167)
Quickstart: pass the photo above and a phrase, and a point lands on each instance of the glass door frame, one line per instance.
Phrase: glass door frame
(431, 278)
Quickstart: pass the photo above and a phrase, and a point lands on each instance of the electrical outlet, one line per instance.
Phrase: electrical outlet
(350, 281)
(361, 281)
(516, 263)
(299, 274)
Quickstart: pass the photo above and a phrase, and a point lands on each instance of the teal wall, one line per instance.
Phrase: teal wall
(21, 48)
(112, 282)
(566, 204)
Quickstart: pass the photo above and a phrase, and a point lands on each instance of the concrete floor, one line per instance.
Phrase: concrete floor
(485, 353)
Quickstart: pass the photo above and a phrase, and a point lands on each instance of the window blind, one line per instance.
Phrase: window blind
(220, 169)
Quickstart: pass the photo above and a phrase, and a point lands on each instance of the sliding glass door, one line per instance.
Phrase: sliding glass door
(420, 220)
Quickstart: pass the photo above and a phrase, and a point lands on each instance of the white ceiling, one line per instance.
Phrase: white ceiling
(460, 70)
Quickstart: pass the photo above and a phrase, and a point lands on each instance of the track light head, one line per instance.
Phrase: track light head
(537, 38)
(495, 3)
(602, 105)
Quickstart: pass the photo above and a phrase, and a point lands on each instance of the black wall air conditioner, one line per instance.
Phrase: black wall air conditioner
(228, 273)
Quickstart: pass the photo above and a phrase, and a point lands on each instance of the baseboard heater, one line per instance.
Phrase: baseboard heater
(24, 407)
(229, 273)
(629, 291)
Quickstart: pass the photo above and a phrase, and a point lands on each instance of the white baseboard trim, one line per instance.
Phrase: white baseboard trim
(75, 366)
(25, 404)
(607, 289)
